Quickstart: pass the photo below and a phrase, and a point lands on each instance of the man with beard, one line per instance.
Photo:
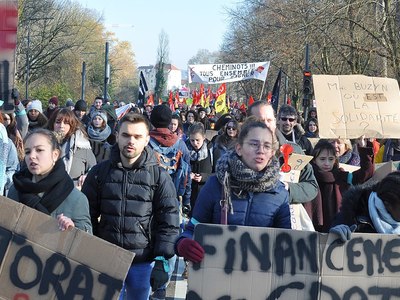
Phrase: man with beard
(136, 202)
(287, 125)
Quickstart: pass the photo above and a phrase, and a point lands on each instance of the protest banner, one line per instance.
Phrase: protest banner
(38, 261)
(356, 105)
(220, 73)
(265, 263)
(8, 42)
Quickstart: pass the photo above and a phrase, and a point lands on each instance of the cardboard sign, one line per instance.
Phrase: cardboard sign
(297, 162)
(38, 261)
(8, 41)
(356, 105)
(348, 168)
(264, 263)
(383, 169)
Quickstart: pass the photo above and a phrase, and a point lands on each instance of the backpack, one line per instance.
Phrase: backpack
(170, 159)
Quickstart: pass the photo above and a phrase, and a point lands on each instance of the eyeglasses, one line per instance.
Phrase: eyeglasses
(290, 119)
(231, 128)
(257, 145)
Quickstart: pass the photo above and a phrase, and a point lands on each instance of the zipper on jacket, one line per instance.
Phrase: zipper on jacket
(123, 205)
(250, 202)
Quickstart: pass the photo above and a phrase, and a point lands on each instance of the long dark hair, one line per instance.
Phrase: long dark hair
(14, 135)
(324, 144)
(69, 117)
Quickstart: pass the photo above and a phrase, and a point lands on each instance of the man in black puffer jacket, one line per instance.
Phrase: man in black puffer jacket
(137, 205)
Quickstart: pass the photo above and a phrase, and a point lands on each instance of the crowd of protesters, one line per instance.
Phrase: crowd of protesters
(52, 159)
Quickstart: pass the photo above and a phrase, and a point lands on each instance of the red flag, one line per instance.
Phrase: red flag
(201, 95)
(196, 98)
(170, 101)
(251, 100)
(150, 100)
(269, 97)
(242, 107)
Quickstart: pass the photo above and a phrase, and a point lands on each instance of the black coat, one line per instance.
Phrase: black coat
(354, 209)
(203, 167)
(138, 207)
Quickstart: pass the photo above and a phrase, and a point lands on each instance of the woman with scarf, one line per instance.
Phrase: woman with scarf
(333, 181)
(201, 159)
(249, 175)
(225, 141)
(36, 117)
(370, 208)
(345, 152)
(100, 136)
(76, 151)
(45, 185)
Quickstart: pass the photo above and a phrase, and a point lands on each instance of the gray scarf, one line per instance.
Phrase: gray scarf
(244, 179)
(97, 134)
(198, 155)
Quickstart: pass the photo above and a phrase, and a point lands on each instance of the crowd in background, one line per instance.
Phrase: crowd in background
(77, 136)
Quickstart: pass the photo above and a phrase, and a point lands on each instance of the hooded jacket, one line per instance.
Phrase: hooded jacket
(354, 209)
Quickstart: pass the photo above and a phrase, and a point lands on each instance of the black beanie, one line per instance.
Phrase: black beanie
(161, 116)
(80, 105)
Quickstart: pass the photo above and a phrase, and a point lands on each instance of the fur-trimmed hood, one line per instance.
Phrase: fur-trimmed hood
(355, 204)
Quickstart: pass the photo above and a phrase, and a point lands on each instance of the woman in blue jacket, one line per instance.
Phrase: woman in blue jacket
(250, 176)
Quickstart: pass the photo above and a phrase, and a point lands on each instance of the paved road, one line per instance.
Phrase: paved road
(178, 285)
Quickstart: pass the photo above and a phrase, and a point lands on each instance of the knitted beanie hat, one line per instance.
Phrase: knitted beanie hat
(54, 100)
(161, 116)
(81, 105)
(102, 115)
(36, 104)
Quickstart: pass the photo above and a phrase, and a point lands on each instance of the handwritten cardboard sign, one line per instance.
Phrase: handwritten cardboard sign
(356, 105)
(265, 263)
(38, 261)
(297, 162)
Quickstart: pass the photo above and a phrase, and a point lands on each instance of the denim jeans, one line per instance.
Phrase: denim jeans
(137, 282)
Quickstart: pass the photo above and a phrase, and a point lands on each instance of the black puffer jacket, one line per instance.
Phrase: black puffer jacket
(138, 207)
(354, 209)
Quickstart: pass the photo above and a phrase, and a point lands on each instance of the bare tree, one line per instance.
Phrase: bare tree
(345, 37)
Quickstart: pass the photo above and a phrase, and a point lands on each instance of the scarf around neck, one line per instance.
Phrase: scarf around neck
(382, 220)
(56, 187)
(244, 178)
(198, 155)
(97, 134)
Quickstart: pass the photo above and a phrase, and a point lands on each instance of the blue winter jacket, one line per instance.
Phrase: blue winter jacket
(266, 209)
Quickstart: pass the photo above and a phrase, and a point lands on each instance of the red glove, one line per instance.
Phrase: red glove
(191, 250)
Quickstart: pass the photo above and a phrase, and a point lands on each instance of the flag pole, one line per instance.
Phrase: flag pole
(262, 90)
